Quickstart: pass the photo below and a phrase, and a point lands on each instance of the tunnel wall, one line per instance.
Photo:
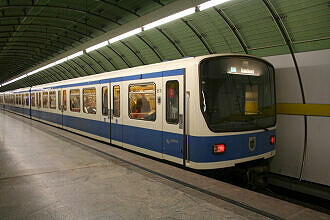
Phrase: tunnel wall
(314, 68)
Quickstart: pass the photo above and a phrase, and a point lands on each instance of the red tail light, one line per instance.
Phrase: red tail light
(219, 148)
(272, 140)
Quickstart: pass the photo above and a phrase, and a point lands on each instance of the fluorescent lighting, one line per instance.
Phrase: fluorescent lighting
(210, 4)
(75, 55)
(18, 78)
(48, 66)
(31, 73)
(126, 35)
(97, 46)
(170, 18)
(61, 60)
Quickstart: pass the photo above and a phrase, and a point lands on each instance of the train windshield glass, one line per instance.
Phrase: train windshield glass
(237, 93)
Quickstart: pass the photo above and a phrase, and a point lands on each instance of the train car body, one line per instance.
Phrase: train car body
(17, 101)
(203, 112)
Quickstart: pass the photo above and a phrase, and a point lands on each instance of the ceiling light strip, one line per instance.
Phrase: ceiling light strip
(97, 46)
(125, 35)
(170, 18)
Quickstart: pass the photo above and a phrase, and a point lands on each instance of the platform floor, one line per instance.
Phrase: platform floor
(48, 173)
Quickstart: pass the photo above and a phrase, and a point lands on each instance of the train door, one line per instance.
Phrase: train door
(64, 105)
(173, 119)
(105, 116)
(30, 106)
(116, 118)
(60, 105)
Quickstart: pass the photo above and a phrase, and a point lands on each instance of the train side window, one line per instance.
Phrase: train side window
(16, 99)
(142, 101)
(64, 100)
(21, 100)
(105, 106)
(33, 99)
(45, 99)
(75, 100)
(59, 99)
(27, 99)
(172, 102)
(89, 100)
(116, 101)
(52, 100)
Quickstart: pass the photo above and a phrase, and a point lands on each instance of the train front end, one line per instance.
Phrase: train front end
(237, 104)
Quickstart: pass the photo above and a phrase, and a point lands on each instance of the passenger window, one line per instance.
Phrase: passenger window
(27, 99)
(142, 101)
(33, 99)
(172, 102)
(105, 106)
(116, 101)
(45, 100)
(75, 100)
(52, 100)
(64, 100)
(89, 100)
(59, 100)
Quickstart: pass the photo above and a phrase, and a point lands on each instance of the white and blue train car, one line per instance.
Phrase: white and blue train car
(17, 101)
(203, 112)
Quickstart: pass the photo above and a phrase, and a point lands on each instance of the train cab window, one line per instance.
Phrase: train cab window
(75, 100)
(33, 99)
(64, 101)
(89, 100)
(45, 99)
(142, 101)
(105, 106)
(39, 100)
(59, 100)
(116, 101)
(172, 102)
(52, 100)
(27, 100)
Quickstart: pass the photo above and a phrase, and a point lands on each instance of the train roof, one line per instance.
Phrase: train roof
(156, 67)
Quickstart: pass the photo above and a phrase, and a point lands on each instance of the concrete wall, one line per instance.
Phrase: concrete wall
(314, 67)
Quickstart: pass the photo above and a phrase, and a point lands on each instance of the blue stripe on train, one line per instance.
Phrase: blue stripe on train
(237, 146)
(200, 148)
(24, 111)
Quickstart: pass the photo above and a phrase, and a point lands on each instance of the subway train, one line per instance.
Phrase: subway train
(203, 112)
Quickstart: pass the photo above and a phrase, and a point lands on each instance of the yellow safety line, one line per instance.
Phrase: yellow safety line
(304, 109)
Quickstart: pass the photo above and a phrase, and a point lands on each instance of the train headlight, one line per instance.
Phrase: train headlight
(272, 140)
(219, 148)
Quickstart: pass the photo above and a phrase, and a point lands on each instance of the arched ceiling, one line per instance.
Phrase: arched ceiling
(35, 31)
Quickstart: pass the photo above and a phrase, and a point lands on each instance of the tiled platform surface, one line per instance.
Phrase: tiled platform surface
(48, 173)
